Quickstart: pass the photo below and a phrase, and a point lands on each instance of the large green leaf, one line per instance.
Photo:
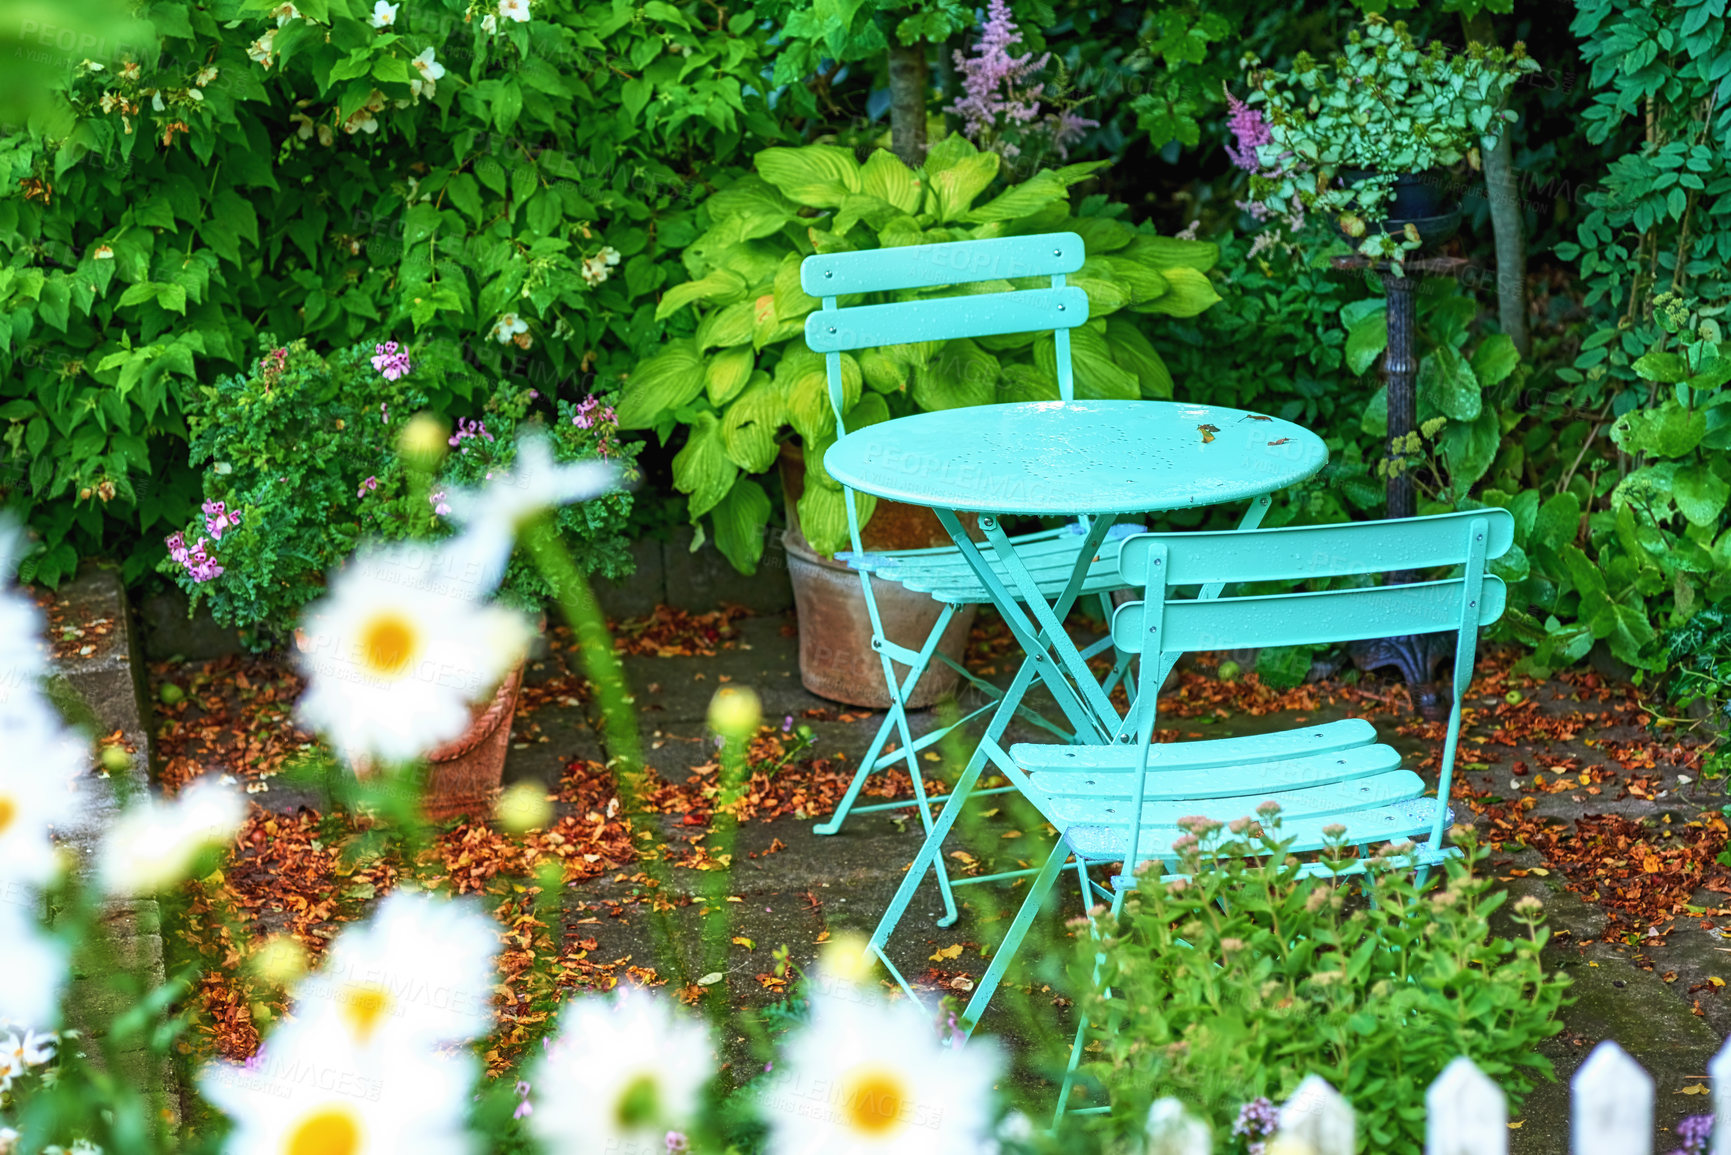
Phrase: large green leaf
(720, 286)
(1024, 199)
(1169, 253)
(1366, 339)
(741, 520)
(1097, 377)
(823, 517)
(702, 468)
(957, 186)
(960, 374)
(1668, 368)
(819, 175)
(725, 328)
(885, 177)
(1700, 493)
(1131, 350)
(1668, 430)
(727, 373)
(1494, 359)
(749, 426)
(1188, 292)
(1447, 384)
(666, 381)
(1468, 448)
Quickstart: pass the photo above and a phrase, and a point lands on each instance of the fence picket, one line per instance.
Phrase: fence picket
(1319, 1117)
(1465, 1113)
(1612, 1108)
(1720, 1071)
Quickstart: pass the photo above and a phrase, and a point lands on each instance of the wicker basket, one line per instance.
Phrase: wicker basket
(463, 776)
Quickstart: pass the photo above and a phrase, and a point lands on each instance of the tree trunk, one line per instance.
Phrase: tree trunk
(908, 82)
(1508, 222)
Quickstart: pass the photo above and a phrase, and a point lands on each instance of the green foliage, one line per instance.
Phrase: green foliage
(303, 449)
(312, 175)
(1699, 653)
(738, 372)
(1629, 530)
(1384, 108)
(1236, 979)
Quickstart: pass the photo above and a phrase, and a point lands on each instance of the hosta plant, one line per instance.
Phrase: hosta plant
(1233, 979)
(1339, 134)
(299, 460)
(736, 376)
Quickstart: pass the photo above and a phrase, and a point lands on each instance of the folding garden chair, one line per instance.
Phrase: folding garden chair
(1121, 804)
(899, 273)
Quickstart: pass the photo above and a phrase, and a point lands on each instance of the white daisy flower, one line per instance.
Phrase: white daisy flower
(622, 1073)
(517, 10)
(154, 844)
(493, 516)
(18, 1053)
(38, 787)
(384, 14)
(398, 649)
(307, 1090)
(489, 23)
(420, 968)
(35, 967)
(867, 1076)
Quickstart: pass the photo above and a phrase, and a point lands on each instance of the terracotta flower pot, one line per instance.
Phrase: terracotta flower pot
(836, 659)
(463, 776)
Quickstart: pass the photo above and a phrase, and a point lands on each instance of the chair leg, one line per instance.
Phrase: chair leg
(860, 775)
(1006, 951)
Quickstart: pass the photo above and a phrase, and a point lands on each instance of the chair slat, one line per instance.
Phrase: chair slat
(1411, 818)
(1343, 799)
(1330, 736)
(1254, 780)
(1306, 618)
(1312, 551)
(981, 315)
(951, 263)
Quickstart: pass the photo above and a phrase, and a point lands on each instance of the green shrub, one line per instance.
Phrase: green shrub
(744, 374)
(301, 452)
(267, 168)
(1237, 979)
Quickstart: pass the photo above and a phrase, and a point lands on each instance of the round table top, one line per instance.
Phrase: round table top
(1071, 458)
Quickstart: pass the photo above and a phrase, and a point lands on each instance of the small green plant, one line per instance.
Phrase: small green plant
(737, 372)
(300, 463)
(1234, 978)
(1340, 134)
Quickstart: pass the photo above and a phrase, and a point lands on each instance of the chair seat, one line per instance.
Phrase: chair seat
(1049, 555)
(1319, 776)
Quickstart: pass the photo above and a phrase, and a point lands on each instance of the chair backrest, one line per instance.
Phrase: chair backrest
(1158, 562)
(833, 330)
(1159, 625)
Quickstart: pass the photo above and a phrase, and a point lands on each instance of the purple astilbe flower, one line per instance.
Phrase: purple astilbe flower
(1694, 1131)
(1068, 128)
(390, 360)
(991, 77)
(1249, 131)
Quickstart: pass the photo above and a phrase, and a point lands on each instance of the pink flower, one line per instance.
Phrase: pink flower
(388, 360)
(993, 68)
(367, 486)
(1249, 130)
(437, 501)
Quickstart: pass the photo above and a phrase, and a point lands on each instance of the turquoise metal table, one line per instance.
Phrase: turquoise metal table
(1094, 460)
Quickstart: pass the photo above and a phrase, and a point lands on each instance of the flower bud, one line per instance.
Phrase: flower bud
(523, 807)
(734, 713)
(423, 441)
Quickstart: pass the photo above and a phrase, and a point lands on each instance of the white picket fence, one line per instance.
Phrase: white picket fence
(1611, 1113)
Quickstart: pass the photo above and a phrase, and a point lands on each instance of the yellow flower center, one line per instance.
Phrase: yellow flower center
(363, 1005)
(331, 1131)
(874, 1102)
(388, 644)
(8, 811)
